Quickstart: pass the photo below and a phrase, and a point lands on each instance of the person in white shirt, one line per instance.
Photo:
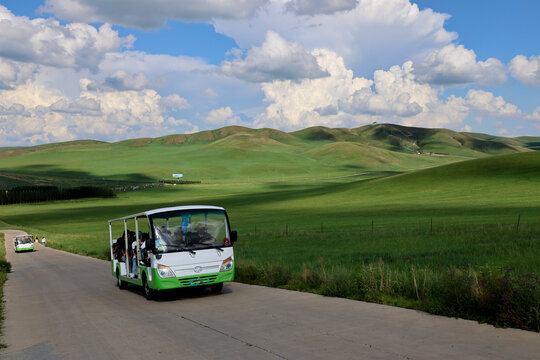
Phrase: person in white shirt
(44, 241)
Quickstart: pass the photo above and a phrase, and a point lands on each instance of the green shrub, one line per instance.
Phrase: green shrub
(276, 276)
(5, 266)
(510, 299)
(247, 273)
(453, 293)
(340, 282)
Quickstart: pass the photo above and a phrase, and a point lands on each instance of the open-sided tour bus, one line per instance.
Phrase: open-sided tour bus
(173, 247)
(23, 243)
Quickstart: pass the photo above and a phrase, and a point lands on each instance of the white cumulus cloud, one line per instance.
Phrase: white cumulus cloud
(13, 73)
(526, 70)
(373, 35)
(456, 65)
(30, 113)
(47, 42)
(275, 59)
(294, 105)
(222, 116)
(535, 115)
(149, 14)
(121, 80)
(210, 93)
(485, 102)
(174, 102)
(392, 96)
(312, 7)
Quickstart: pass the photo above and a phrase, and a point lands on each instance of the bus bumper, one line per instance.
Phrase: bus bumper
(160, 283)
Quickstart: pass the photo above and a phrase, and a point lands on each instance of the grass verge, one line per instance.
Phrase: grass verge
(502, 297)
(5, 267)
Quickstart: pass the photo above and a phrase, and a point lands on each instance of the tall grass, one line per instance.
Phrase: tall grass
(487, 273)
(499, 297)
(5, 267)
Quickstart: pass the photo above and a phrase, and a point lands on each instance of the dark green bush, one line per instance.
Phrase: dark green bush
(247, 273)
(453, 293)
(5, 266)
(509, 299)
(276, 276)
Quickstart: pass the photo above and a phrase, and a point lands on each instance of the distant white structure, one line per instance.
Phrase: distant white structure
(178, 176)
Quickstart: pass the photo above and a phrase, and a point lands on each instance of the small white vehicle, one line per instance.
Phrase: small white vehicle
(23, 243)
(173, 247)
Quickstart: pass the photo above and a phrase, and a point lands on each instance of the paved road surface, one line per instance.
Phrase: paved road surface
(65, 306)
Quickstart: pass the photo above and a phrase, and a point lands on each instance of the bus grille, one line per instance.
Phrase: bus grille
(198, 280)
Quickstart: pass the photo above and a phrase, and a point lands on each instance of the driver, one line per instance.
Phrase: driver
(202, 235)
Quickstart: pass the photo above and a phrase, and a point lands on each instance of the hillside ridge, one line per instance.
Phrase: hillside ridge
(235, 153)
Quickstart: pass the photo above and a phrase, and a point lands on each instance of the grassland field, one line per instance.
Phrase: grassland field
(425, 218)
(394, 229)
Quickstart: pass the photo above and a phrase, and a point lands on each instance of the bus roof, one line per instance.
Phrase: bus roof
(167, 209)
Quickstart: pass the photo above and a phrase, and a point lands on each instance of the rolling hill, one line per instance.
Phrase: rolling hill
(235, 153)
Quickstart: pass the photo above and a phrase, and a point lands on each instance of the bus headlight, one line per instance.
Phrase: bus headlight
(165, 271)
(226, 265)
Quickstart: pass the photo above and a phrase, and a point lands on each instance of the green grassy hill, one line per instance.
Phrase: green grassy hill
(438, 140)
(235, 153)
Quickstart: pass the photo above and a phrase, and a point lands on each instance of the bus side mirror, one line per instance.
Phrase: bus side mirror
(151, 244)
(234, 236)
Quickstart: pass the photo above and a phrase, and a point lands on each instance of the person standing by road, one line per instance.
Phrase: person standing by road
(43, 241)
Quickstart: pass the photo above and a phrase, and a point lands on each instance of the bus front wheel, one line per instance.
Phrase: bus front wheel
(149, 293)
(121, 284)
(216, 288)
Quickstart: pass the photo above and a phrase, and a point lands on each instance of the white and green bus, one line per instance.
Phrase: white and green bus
(174, 247)
(23, 243)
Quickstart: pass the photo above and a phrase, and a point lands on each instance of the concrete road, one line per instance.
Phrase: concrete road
(65, 306)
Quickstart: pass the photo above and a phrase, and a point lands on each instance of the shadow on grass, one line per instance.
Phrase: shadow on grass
(43, 174)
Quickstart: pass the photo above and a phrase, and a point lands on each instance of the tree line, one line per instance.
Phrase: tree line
(31, 194)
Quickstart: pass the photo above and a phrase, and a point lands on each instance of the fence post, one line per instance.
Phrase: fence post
(431, 225)
(517, 226)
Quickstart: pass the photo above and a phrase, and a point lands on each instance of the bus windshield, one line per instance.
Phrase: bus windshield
(27, 239)
(189, 230)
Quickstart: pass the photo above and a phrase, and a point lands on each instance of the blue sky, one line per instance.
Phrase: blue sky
(76, 69)
(493, 28)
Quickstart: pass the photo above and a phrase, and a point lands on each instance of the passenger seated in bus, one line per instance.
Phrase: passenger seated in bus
(134, 268)
(114, 250)
(121, 241)
(145, 257)
(118, 251)
(179, 237)
(202, 236)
